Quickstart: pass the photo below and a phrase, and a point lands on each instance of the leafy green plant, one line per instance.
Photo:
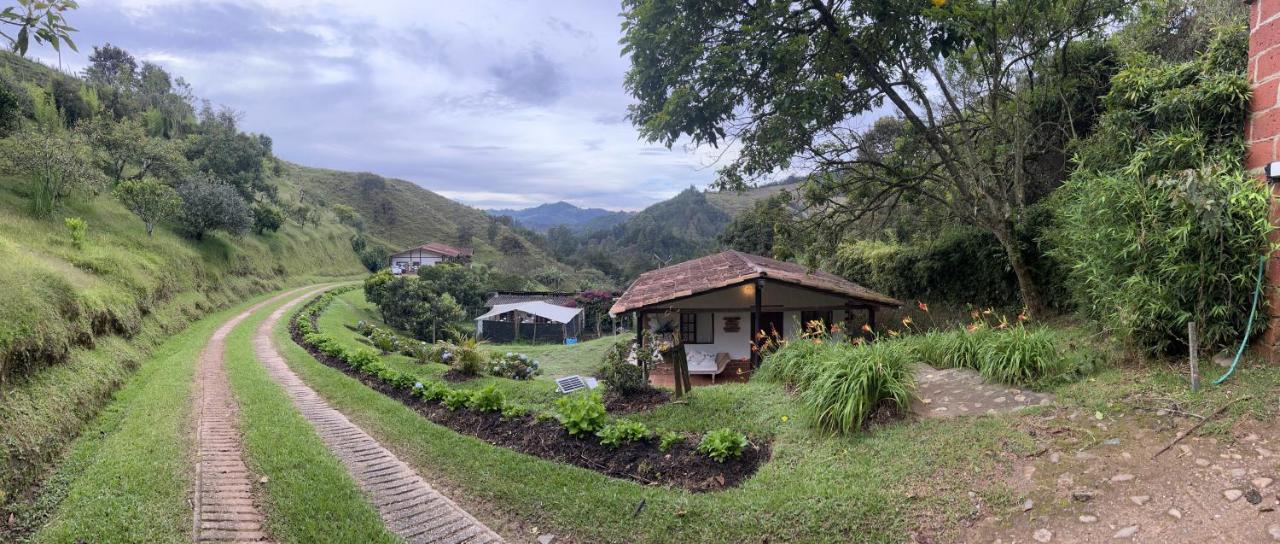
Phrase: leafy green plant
(430, 391)
(512, 411)
(581, 413)
(363, 360)
(488, 399)
(78, 230)
(385, 340)
(1160, 222)
(467, 358)
(1019, 355)
(855, 380)
(669, 439)
(456, 398)
(516, 366)
(622, 432)
(723, 444)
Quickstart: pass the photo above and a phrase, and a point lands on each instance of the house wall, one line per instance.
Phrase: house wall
(1262, 132)
(424, 258)
(737, 344)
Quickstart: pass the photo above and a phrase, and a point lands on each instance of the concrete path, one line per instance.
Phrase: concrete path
(409, 506)
(962, 392)
(224, 508)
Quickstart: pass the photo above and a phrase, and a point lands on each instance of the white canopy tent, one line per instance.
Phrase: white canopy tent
(557, 314)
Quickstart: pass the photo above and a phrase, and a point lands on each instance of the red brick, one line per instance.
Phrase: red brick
(1266, 125)
(1264, 37)
(1267, 65)
(1259, 154)
(1264, 95)
(1264, 9)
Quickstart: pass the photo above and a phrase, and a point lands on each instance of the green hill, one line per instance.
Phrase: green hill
(402, 214)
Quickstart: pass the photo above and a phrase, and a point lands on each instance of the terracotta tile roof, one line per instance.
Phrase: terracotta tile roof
(730, 268)
(442, 249)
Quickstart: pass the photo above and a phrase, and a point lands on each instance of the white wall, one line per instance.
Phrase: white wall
(736, 344)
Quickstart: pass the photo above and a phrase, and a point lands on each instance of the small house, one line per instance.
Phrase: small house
(559, 298)
(531, 321)
(718, 304)
(431, 254)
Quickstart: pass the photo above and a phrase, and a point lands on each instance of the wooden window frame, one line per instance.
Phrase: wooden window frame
(692, 328)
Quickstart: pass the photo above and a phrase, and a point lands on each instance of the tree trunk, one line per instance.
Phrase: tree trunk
(1026, 282)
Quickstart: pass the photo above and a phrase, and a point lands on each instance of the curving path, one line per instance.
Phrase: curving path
(408, 505)
(224, 509)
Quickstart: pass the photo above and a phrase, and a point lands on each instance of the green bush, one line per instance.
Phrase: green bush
(78, 230)
(1019, 355)
(622, 432)
(619, 374)
(511, 411)
(456, 398)
(581, 413)
(488, 399)
(1160, 222)
(516, 366)
(723, 444)
(927, 270)
(430, 391)
(363, 360)
(795, 364)
(385, 340)
(669, 439)
(855, 380)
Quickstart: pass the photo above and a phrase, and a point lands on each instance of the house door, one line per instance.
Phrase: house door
(771, 322)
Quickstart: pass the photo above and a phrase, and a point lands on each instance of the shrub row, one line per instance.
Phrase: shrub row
(581, 414)
(464, 357)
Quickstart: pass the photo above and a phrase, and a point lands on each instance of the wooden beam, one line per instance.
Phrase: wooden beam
(755, 322)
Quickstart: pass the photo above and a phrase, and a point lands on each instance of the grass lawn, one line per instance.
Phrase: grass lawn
(874, 487)
(127, 477)
(309, 497)
(557, 360)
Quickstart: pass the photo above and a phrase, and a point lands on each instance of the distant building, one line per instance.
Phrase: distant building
(558, 298)
(431, 254)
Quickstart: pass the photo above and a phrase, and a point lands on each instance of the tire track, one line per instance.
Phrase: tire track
(408, 505)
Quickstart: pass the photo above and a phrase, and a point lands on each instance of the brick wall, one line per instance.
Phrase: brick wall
(1262, 131)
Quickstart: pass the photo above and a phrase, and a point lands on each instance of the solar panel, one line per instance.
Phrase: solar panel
(569, 384)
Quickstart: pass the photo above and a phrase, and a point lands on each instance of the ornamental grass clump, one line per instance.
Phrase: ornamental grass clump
(854, 380)
(1019, 355)
(796, 363)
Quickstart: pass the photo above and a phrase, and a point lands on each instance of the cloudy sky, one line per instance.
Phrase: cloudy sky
(496, 104)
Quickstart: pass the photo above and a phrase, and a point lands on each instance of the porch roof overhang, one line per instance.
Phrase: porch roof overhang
(665, 287)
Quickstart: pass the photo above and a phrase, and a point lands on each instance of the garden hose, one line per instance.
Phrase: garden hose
(1253, 311)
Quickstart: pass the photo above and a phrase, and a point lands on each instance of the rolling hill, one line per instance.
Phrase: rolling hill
(401, 214)
(543, 217)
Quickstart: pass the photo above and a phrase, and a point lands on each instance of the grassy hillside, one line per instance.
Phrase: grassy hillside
(734, 202)
(402, 214)
(74, 322)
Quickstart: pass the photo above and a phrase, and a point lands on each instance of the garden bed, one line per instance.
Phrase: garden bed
(636, 402)
(641, 461)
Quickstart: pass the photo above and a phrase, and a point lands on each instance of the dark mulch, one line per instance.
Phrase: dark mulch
(642, 462)
(635, 402)
(453, 376)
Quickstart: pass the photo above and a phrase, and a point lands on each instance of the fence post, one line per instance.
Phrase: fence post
(1193, 344)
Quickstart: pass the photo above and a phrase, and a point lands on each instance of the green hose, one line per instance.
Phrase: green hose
(1253, 311)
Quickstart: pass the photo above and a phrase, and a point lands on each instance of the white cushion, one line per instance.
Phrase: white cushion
(700, 360)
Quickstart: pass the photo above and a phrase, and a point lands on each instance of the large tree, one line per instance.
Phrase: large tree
(788, 81)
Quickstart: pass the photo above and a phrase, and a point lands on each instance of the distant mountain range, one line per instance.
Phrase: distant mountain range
(542, 218)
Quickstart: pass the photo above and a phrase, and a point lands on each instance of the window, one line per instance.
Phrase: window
(697, 328)
(824, 316)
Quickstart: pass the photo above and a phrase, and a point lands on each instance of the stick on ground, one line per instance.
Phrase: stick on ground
(1197, 425)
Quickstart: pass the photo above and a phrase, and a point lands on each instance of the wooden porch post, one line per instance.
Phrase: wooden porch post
(871, 318)
(755, 323)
